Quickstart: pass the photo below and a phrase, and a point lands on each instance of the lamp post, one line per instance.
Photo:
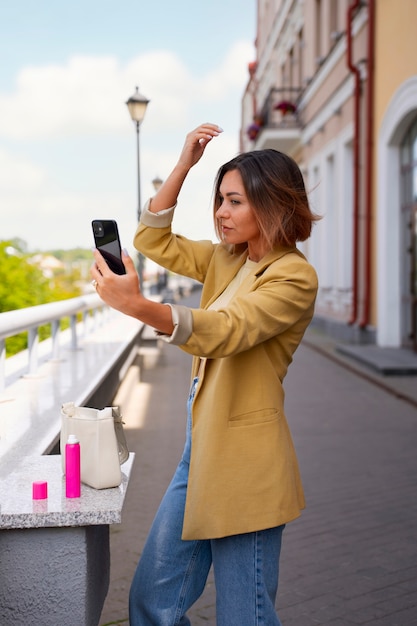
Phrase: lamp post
(137, 105)
(157, 183)
(162, 275)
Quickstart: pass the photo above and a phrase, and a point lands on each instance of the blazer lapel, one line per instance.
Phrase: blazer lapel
(228, 272)
(231, 268)
(271, 257)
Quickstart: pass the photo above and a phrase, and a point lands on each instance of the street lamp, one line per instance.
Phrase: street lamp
(157, 183)
(137, 108)
(162, 275)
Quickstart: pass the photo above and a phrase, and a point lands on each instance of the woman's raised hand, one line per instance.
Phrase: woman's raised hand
(192, 151)
(196, 142)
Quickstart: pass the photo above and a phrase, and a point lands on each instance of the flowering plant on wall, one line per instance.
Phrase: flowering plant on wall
(253, 129)
(285, 106)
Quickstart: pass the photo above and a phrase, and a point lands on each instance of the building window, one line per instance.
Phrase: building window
(300, 54)
(291, 68)
(318, 30)
(408, 233)
(333, 21)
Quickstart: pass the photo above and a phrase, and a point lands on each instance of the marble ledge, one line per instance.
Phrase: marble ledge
(94, 507)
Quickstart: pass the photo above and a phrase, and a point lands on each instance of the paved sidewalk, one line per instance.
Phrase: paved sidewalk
(352, 556)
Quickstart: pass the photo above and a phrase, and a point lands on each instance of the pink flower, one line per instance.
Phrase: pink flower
(253, 130)
(285, 106)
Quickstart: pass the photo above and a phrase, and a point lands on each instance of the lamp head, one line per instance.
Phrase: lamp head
(157, 183)
(137, 106)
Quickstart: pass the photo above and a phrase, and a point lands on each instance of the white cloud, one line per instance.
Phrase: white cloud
(19, 173)
(84, 100)
(59, 101)
(230, 75)
(163, 78)
(84, 96)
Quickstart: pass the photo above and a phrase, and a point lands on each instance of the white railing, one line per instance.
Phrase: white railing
(84, 363)
(32, 318)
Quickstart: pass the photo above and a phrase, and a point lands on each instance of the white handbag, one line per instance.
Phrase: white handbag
(103, 446)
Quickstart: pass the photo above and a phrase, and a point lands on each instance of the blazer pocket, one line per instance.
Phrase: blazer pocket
(254, 418)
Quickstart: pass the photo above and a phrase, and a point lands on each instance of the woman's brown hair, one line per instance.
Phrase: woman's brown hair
(276, 192)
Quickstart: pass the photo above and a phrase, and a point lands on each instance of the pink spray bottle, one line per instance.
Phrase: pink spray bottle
(72, 468)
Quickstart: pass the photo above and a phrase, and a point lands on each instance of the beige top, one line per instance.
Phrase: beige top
(225, 297)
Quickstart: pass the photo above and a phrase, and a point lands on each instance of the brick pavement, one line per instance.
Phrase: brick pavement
(352, 556)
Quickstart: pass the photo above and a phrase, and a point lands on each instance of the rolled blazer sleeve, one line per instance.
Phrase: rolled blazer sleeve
(181, 315)
(155, 239)
(279, 299)
(183, 325)
(157, 220)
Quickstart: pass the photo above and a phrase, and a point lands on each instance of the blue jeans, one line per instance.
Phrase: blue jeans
(172, 573)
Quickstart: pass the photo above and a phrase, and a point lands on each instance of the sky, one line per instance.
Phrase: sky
(67, 142)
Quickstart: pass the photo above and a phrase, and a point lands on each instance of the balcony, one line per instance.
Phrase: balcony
(279, 122)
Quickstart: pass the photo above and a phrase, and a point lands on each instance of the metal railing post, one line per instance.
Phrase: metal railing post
(55, 327)
(2, 364)
(33, 343)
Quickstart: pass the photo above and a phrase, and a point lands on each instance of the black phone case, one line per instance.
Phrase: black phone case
(107, 240)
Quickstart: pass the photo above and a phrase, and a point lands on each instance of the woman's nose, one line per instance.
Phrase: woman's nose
(221, 211)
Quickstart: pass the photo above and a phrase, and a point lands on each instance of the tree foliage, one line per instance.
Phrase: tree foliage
(21, 284)
(24, 281)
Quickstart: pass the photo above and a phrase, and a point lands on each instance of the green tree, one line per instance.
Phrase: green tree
(23, 284)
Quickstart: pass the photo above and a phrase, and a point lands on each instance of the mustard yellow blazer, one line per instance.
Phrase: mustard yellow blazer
(244, 473)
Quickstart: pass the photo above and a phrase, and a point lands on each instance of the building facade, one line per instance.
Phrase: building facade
(334, 84)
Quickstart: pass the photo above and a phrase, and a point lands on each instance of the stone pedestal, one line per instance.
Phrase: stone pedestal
(55, 553)
(54, 576)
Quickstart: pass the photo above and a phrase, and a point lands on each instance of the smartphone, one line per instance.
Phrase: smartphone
(107, 240)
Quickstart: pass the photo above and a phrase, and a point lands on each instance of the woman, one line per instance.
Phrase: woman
(238, 482)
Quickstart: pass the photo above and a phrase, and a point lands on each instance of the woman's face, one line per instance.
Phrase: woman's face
(237, 219)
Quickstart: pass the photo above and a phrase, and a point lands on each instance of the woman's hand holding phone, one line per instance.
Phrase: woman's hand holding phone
(120, 291)
(107, 240)
(123, 293)
(114, 274)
